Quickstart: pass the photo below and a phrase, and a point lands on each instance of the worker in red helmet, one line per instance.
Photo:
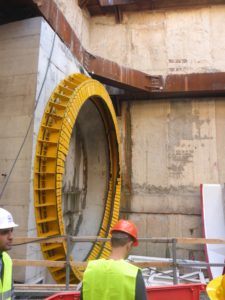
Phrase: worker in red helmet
(115, 279)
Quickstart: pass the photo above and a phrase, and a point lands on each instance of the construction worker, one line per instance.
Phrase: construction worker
(216, 288)
(6, 236)
(115, 279)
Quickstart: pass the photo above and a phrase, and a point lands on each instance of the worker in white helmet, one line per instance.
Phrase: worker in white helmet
(6, 237)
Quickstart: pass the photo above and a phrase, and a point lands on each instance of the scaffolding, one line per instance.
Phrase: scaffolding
(24, 290)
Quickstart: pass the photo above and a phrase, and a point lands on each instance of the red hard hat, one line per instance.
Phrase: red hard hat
(127, 227)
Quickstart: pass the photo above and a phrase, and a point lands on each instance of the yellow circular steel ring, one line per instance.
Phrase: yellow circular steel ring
(52, 147)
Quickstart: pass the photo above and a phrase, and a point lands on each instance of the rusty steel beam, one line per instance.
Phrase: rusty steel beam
(99, 7)
(204, 82)
(113, 74)
(115, 2)
(133, 81)
(175, 86)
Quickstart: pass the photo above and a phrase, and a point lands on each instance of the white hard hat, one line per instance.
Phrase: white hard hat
(6, 219)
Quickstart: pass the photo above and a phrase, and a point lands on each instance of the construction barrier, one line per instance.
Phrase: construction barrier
(175, 292)
(65, 296)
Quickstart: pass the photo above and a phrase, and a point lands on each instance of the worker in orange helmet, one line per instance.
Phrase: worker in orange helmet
(216, 288)
(115, 279)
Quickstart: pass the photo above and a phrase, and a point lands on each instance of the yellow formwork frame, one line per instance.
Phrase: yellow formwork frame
(52, 148)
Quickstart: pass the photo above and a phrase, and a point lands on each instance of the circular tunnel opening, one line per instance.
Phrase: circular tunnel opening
(86, 178)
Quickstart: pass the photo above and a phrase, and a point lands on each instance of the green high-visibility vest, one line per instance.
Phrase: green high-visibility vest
(109, 280)
(6, 280)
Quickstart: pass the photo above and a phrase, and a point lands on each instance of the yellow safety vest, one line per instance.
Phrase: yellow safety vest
(6, 280)
(109, 280)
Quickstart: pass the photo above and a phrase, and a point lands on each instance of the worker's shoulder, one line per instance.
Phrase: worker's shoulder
(96, 263)
(112, 262)
(113, 267)
(124, 266)
(6, 256)
(130, 266)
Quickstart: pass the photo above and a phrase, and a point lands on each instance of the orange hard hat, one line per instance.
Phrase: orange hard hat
(127, 227)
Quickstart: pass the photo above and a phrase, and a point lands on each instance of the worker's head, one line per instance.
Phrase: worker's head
(124, 235)
(6, 230)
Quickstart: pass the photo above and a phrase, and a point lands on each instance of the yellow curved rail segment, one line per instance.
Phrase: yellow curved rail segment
(52, 148)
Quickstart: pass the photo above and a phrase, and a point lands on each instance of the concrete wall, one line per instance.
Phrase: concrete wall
(79, 19)
(169, 147)
(33, 61)
(55, 62)
(156, 42)
(164, 42)
(176, 146)
(19, 43)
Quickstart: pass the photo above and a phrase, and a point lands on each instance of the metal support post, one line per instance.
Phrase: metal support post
(68, 262)
(174, 253)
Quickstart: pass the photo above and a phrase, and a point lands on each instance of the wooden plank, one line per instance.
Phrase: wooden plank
(49, 263)
(40, 287)
(191, 241)
(199, 241)
(38, 263)
(152, 264)
(46, 263)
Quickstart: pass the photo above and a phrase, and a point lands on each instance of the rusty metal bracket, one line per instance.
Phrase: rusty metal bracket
(156, 83)
(115, 2)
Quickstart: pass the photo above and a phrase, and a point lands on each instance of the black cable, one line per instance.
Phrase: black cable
(31, 121)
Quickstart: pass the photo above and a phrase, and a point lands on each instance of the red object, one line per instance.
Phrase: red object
(203, 232)
(65, 296)
(127, 227)
(174, 292)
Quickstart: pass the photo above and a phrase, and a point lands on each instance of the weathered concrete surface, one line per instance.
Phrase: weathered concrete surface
(78, 19)
(156, 225)
(18, 77)
(176, 146)
(164, 42)
(26, 75)
(169, 147)
(156, 42)
(55, 62)
(88, 171)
